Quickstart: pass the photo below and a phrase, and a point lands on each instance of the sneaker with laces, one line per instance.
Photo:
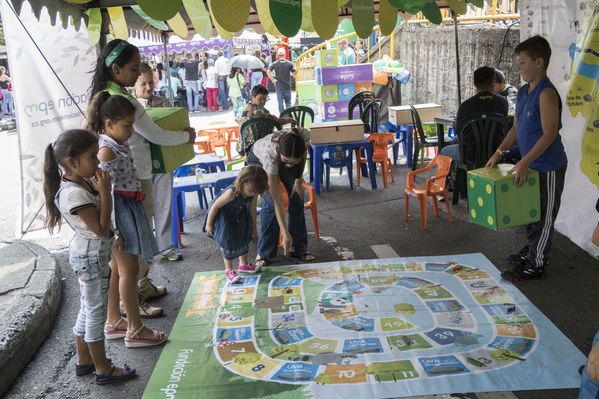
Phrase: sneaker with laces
(232, 276)
(519, 258)
(172, 254)
(249, 268)
(146, 310)
(151, 291)
(523, 272)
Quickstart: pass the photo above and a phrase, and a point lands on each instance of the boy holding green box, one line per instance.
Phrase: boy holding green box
(536, 130)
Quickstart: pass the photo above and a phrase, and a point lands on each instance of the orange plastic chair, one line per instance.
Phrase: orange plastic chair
(202, 145)
(382, 142)
(216, 139)
(434, 186)
(231, 135)
(310, 204)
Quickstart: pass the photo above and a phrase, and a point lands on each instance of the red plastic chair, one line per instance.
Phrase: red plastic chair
(231, 135)
(310, 204)
(382, 143)
(434, 186)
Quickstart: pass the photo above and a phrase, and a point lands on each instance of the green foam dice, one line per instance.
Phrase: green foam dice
(167, 158)
(325, 58)
(327, 93)
(496, 203)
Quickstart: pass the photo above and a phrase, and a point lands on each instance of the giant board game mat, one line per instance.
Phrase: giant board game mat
(371, 328)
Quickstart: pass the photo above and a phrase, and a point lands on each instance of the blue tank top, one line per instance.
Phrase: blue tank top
(530, 130)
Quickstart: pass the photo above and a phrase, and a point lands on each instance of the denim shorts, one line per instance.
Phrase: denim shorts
(132, 222)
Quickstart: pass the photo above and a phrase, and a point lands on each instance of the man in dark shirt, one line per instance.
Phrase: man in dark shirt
(501, 87)
(483, 101)
(282, 79)
(191, 66)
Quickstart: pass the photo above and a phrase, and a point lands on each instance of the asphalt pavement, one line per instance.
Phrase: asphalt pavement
(351, 222)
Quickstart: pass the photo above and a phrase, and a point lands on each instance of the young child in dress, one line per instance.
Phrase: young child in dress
(113, 117)
(81, 194)
(231, 219)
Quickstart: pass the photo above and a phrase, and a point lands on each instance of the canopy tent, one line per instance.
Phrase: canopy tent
(199, 45)
(228, 18)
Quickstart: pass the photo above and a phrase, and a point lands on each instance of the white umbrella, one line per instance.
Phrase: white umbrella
(246, 61)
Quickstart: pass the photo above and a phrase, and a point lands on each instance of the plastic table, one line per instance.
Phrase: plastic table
(185, 184)
(316, 164)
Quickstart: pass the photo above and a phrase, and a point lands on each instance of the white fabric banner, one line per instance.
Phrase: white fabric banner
(564, 23)
(44, 108)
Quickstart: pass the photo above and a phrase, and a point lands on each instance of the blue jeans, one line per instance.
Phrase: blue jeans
(256, 79)
(268, 242)
(7, 105)
(283, 94)
(191, 88)
(589, 389)
(223, 92)
(93, 274)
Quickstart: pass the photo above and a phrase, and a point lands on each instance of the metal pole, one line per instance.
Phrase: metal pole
(457, 56)
(167, 69)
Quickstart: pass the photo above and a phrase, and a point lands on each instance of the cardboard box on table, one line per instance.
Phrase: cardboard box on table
(346, 91)
(344, 74)
(325, 58)
(306, 89)
(401, 115)
(363, 86)
(496, 203)
(168, 158)
(327, 93)
(337, 132)
(337, 111)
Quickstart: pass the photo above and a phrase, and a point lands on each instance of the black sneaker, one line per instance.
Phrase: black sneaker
(519, 258)
(523, 272)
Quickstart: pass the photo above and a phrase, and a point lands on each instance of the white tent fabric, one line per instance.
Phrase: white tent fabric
(44, 108)
(559, 22)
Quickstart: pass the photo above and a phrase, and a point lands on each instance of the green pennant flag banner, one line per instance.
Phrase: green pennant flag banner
(459, 6)
(307, 24)
(478, 3)
(156, 24)
(287, 15)
(363, 17)
(231, 15)
(341, 3)
(161, 10)
(387, 17)
(432, 12)
(324, 18)
(200, 18)
(266, 21)
(411, 6)
(93, 24)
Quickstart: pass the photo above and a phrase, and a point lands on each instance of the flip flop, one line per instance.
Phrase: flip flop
(84, 369)
(305, 257)
(103, 379)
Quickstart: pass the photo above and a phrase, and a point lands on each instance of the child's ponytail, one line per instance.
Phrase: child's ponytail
(70, 144)
(95, 121)
(104, 106)
(51, 185)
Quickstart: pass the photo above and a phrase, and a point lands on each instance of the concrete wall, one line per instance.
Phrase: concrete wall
(429, 54)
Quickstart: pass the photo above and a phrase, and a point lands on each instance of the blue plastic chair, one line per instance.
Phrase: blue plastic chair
(222, 184)
(339, 156)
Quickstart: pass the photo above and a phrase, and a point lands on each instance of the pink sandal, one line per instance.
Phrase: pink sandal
(114, 334)
(134, 341)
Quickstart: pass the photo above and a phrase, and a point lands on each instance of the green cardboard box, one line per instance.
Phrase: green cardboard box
(327, 93)
(495, 202)
(306, 89)
(167, 158)
(325, 58)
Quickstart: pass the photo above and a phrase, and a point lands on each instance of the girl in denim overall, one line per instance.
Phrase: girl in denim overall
(80, 192)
